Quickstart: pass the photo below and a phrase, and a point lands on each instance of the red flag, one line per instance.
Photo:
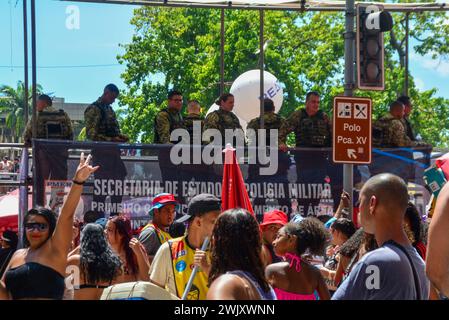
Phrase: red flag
(233, 191)
(443, 163)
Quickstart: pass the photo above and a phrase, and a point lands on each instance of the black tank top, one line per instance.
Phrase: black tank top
(34, 281)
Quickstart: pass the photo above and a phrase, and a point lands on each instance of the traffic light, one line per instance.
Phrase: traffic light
(372, 22)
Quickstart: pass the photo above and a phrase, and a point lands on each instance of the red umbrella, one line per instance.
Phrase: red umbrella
(233, 193)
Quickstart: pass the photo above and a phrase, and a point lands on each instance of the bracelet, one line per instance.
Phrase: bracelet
(77, 182)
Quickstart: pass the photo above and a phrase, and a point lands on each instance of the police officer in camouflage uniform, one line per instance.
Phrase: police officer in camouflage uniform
(223, 119)
(169, 119)
(194, 116)
(100, 118)
(191, 171)
(219, 121)
(272, 121)
(102, 125)
(312, 129)
(390, 131)
(405, 100)
(51, 161)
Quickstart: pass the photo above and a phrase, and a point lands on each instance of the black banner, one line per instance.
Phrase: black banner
(305, 181)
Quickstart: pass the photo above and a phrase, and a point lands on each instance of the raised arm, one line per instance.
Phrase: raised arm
(142, 260)
(62, 237)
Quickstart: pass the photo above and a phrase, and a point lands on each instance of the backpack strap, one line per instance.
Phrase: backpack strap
(415, 273)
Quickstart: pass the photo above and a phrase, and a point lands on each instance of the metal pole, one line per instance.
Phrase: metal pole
(25, 58)
(195, 271)
(33, 70)
(406, 53)
(222, 44)
(348, 183)
(23, 193)
(261, 65)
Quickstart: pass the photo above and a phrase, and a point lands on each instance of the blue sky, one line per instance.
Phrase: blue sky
(96, 42)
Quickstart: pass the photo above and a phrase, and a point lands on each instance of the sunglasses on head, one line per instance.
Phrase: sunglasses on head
(36, 226)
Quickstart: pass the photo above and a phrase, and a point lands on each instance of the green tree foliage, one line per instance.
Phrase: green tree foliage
(180, 48)
(12, 105)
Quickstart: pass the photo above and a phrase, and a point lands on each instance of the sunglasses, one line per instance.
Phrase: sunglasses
(41, 227)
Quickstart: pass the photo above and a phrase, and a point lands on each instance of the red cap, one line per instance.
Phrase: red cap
(164, 198)
(274, 217)
(161, 200)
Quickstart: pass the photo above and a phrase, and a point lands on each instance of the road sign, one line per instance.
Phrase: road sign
(352, 130)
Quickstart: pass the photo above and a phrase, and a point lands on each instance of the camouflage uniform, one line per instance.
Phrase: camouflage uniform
(222, 120)
(188, 123)
(312, 166)
(310, 131)
(408, 127)
(167, 120)
(271, 120)
(390, 132)
(198, 172)
(101, 122)
(102, 125)
(51, 124)
(52, 163)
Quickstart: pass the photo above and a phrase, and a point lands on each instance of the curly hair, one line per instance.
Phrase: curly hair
(237, 245)
(415, 223)
(345, 226)
(123, 228)
(352, 245)
(47, 214)
(97, 261)
(359, 238)
(311, 235)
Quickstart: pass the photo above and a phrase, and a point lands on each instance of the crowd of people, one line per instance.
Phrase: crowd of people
(382, 256)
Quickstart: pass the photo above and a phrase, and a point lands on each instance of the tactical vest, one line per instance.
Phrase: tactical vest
(188, 123)
(53, 125)
(381, 133)
(173, 125)
(224, 123)
(182, 262)
(108, 125)
(312, 132)
(276, 124)
(161, 235)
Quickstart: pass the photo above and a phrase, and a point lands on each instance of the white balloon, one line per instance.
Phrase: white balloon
(246, 91)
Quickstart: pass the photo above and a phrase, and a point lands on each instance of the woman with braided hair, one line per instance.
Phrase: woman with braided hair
(98, 265)
(236, 271)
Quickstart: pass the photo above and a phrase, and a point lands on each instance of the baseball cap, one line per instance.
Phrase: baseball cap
(274, 217)
(161, 200)
(199, 204)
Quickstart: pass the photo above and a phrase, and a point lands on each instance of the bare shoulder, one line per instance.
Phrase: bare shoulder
(276, 271)
(226, 287)
(275, 268)
(73, 260)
